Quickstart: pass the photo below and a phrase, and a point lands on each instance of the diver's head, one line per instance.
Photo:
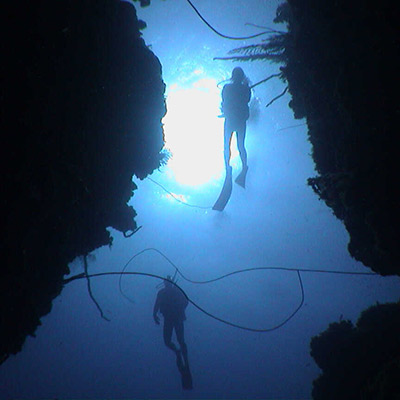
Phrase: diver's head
(168, 281)
(237, 75)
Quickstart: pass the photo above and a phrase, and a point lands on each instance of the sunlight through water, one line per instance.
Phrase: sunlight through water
(193, 131)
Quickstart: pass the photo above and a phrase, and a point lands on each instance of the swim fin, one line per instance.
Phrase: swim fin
(241, 178)
(183, 366)
(226, 192)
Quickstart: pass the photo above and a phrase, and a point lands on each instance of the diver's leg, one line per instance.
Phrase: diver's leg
(167, 333)
(227, 142)
(241, 135)
(180, 336)
(182, 357)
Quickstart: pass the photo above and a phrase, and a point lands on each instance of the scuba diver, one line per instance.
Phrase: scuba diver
(235, 98)
(171, 303)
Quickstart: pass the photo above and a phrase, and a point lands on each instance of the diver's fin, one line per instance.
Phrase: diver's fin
(182, 363)
(226, 192)
(241, 178)
(187, 381)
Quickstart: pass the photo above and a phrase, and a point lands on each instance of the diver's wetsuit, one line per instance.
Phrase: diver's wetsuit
(171, 302)
(235, 99)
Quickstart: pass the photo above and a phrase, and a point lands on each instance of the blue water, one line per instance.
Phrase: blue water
(276, 221)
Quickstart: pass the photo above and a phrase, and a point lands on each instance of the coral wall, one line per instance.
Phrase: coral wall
(81, 108)
(343, 60)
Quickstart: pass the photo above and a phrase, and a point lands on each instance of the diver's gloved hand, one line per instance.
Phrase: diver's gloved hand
(156, 319)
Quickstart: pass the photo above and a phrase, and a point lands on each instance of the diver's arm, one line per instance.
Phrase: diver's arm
(156, 309)
(182, 300)
(185, 302)
(248, 94)
(222, 101)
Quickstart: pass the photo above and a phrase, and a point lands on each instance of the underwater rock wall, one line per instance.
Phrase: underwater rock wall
(81, 108)
(361, 361)
(343, 61)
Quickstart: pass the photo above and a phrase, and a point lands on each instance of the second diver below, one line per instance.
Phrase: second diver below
(235, 98)
(171, 303)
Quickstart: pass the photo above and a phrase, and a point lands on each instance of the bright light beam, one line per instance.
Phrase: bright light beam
(194, 133)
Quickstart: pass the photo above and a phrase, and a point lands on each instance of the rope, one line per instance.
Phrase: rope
(177, 271)
(290, 127)
(178, 199)
(264, 27)
(266, 79)
(89, 287)
(277, 97)
(250, 329)
(226, 36)
(235, 272)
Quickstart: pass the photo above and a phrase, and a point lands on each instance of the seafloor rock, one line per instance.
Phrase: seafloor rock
(362, 361)
(81, 108)
(342, 62)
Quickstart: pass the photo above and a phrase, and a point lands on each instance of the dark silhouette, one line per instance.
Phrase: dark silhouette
(361, 360)
(235, 98)
(310, 62)
(171, 303)
(72, 146)
(226, 192)
(182, 363)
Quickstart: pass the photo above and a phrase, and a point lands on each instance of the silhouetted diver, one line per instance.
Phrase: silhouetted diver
(171, 303)
(235, 109)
